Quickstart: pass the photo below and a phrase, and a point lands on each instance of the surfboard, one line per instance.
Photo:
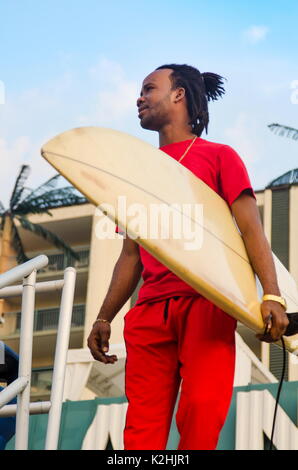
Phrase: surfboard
(208, 252)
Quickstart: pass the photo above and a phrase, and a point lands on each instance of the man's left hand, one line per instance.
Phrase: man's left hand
(275, 317)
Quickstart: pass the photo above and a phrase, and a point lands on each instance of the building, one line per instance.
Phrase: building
(278, 204)
(77, 226)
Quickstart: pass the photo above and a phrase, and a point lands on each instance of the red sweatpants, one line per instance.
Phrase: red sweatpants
(181, 340)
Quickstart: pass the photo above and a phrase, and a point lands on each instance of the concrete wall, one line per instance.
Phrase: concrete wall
(103, 256)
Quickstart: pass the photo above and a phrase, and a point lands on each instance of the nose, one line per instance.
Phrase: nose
(140, 100)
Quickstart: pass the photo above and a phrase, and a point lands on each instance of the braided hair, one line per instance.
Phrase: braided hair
(199, 87)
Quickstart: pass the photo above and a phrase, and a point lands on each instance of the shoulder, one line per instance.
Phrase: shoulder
(209, 143)
(226, 155)
(222, 154)
(216, 147)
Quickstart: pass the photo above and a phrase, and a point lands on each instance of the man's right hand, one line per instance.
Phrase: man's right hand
(98, 340)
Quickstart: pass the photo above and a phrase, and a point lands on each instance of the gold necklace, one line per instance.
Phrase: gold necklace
(188, 148)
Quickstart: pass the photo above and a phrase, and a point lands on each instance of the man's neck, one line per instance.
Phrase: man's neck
(172, 135)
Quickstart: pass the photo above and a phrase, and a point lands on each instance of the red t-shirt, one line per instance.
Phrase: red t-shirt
(222, 169)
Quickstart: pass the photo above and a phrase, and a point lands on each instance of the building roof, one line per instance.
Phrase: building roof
(290, 177)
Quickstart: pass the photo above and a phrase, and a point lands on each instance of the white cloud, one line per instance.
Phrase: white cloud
(272, 89)
(114, 104)
(242, 139)
(12, 158)
(104, 95)
(33, 116)
(255, 34)
(22, 151)
(106, 71)
(20, 147)
(117, 95)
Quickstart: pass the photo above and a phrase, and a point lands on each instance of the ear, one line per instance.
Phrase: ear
(179, 94)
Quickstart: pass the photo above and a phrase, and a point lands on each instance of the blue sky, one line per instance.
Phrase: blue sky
(72, 63)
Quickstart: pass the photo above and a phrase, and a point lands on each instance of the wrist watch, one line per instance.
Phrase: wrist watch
(277, 298)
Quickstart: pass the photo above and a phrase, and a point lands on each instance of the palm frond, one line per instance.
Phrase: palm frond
(18, 246)
(26, 209)
(43, 188)
(59, 197)
(282, 130)
(23, 193)
(2, 208)
(49, 236)
(19, 186)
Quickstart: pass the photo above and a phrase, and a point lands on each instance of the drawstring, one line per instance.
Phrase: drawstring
(167, 306)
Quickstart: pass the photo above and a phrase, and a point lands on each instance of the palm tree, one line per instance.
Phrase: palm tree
(281, 130)
(25, 201)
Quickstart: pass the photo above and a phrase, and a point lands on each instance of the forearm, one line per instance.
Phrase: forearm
(260, 255)
(126, 275)
(248, 220)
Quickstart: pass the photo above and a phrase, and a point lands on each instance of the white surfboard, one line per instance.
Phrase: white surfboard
(104, 164)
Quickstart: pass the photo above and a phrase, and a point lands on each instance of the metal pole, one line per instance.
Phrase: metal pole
(12, 390)
(39, 407)
(45, 286)
(25, 361)
(60, 359)
(23, 270)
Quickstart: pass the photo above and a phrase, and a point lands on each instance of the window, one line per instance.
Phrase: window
(280, 225)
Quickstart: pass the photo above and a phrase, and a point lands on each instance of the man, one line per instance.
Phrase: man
(173, 335)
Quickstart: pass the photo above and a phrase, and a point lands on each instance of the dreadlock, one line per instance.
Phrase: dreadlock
(199, 87)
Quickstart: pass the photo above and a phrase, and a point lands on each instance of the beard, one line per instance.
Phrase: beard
(149, 123)
(154, 121)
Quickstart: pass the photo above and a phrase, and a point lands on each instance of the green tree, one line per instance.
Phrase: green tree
(25, 201)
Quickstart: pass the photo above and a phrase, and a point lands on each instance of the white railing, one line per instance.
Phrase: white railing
(21, 386)
(254, 418)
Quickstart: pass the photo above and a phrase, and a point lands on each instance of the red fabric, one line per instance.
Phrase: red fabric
(193, 344)
(223, 170)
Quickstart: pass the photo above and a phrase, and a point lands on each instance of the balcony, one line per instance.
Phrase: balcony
(54, 270)
(47, 319)
(59, 261)
(45, 333)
